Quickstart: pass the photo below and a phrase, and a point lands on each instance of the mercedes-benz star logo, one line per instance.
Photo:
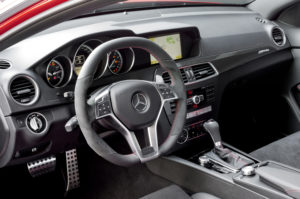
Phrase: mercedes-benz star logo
(140, 102)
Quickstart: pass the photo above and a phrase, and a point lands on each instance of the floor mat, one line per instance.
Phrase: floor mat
(102, 180)
(15, 182)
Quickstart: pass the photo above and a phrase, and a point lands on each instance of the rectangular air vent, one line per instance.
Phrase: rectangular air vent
(202, 71)
(167, 79)
(173, 106)
(210, 94)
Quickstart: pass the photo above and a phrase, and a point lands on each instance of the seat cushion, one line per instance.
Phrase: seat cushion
(175, 192)
(203, 196)
(286, 151)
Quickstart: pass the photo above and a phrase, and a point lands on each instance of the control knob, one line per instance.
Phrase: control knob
(248, 171)
(183, 138)
(36, 122)
(197, 99)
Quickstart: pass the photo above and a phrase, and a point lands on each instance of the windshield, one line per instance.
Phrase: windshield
(145, 4)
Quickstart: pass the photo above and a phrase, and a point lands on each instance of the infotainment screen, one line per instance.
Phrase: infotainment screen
(170, 43)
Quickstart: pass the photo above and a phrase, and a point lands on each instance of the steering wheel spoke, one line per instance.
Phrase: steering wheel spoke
(150, 151)
(102, 105)
(166, 92)
(147, 153)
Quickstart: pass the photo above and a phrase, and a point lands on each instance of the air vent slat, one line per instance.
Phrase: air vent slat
(4, 64)
(167, 79)
(183, 75)
(173, 106)
(23, 90)
(203, 71)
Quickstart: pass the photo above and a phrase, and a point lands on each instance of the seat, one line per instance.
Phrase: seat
(175, 192)
(285, 150)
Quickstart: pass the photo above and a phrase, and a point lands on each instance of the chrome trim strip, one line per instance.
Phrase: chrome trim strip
(133, 60)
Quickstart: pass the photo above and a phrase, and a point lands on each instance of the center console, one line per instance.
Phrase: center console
(199, 109)
(222, 170)
(200, 82)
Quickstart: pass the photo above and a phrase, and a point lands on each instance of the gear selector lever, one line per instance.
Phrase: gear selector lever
(212, 127)
(224, 156)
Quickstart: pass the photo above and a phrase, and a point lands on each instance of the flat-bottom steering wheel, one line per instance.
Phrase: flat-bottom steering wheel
(129, 105)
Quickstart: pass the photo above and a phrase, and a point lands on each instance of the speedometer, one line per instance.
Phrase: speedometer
(55, 73)
(115, 62)
(81, 55)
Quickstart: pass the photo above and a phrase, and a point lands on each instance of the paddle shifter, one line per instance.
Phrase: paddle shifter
(223, 156)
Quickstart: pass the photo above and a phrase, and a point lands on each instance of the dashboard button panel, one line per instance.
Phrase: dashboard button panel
(191, 132)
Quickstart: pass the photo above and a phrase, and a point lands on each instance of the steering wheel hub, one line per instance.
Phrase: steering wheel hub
(135, 103)
(140, 102)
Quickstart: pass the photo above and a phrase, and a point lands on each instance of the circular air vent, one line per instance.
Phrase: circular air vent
(278, 36)
(24, 90)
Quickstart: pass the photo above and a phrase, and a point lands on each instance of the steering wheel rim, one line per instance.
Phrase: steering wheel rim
(85, 108)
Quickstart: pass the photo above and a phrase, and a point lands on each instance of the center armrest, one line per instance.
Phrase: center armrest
(283, 179)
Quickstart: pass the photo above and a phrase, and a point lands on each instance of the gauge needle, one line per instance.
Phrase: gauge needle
(50, 74)
(57, 72)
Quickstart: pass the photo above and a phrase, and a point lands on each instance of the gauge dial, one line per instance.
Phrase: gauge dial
(115, 62)
(55, 73)
(82, 54)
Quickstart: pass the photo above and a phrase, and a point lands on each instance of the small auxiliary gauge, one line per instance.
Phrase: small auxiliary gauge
(115, 62)
(55, 73)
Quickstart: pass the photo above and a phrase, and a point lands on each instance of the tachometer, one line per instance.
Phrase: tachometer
(115, 62)
(55, 73)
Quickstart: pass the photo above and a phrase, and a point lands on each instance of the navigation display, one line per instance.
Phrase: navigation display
(170, 43)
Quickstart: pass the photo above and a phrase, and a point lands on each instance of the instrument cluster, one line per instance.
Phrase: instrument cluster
(60, 69)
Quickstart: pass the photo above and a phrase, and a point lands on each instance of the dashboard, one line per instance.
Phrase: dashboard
(212, 47)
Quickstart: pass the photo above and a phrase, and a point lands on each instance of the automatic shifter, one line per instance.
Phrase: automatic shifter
(212, 127)
(221, 155)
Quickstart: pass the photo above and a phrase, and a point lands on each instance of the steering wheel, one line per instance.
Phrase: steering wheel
(129, 105)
